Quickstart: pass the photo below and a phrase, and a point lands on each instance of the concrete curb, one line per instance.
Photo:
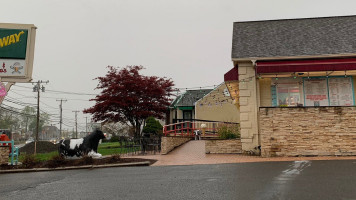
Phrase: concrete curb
(144, 163)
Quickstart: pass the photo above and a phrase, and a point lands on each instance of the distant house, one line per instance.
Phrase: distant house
(218, 105)
(49, 132)
(82, 134)
(183, 107)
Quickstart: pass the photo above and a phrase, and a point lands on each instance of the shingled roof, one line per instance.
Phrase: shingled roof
(294, 37)
(189, 97)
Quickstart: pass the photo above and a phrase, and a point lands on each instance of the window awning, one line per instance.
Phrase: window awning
(306, 65)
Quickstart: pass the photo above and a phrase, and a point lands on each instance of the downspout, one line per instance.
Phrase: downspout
(195, 109)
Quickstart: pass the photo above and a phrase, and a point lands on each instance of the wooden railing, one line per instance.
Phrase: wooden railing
(187, 128)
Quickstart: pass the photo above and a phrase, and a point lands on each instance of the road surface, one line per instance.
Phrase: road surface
(264, 180)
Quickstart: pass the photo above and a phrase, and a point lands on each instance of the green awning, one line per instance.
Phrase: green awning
(186, 107)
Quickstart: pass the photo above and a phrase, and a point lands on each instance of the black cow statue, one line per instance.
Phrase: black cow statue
(82, 146)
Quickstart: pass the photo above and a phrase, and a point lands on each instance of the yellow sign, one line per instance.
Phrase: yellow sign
(11, 39)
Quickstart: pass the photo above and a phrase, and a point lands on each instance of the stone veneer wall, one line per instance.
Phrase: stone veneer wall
(169, 143)
(307, 131)
(4, 155)
(223, 146)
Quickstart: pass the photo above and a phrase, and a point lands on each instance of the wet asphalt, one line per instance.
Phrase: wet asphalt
(264, 180)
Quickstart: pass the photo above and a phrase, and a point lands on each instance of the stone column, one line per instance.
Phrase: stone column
(248, 106)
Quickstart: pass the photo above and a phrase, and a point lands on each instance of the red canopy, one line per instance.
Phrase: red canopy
(232, 75)
(305, 65)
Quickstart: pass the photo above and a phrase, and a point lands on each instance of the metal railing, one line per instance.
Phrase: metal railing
(142, 145)
(187, 128)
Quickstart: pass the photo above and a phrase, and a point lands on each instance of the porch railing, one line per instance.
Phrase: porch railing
(187, 128)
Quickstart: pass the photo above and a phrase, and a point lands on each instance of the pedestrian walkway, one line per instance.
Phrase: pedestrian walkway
(193, 153)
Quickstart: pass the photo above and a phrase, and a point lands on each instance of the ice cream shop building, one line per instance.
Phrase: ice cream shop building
(296, 85)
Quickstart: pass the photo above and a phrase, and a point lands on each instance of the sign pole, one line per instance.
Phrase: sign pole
(4, 89)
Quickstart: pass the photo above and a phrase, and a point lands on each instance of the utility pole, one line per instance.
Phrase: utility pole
(86, 125)
(60, 115)
(37, 88)
(76, 124)
(26, 123)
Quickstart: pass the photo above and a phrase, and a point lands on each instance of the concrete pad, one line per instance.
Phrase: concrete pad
(193, 153)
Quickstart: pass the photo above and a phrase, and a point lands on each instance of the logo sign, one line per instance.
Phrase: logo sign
(2, 90)
(17, 44)
(12, 68)
(13, 43)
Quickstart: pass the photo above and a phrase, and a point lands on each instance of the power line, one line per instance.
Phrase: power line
(58, 91)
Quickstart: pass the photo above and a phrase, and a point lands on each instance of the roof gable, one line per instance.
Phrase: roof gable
(189, 97)
(294, 37)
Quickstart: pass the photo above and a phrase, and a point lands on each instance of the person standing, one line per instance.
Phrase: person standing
(4, 137)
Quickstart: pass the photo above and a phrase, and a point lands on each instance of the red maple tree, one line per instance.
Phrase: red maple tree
(129, 97)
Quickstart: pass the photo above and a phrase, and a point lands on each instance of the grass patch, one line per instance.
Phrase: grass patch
(110, 148)
(109, 145)
(119, 150)
(39, 156)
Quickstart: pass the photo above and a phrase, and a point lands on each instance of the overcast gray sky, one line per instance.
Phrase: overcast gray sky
(186, 40)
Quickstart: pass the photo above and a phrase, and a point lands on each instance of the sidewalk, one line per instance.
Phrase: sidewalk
(193, 153)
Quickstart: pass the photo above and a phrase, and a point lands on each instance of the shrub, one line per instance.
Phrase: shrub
(105, 140)
(56, 161)
(115, 138)
(115, 158)
(152, 126)
(229, 131)
(29, 161)
(86, 160)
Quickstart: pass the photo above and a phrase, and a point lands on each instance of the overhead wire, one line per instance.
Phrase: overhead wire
(58, 91)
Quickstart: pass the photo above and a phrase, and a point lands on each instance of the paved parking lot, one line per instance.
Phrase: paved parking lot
(259, 180)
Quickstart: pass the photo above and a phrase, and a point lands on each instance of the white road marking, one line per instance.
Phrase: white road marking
(279, 185)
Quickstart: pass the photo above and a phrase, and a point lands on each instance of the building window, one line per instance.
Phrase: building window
(341, 91)
(287, 92)
(314, 91)
(187, 114)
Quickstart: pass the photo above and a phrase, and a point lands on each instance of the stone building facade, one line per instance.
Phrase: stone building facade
(296, 85)
(308, 131)
(232, 146)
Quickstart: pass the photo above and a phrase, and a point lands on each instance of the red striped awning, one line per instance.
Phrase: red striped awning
(306, 65)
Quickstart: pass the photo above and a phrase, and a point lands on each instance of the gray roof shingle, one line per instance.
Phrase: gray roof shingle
(294, 37)
(190, 97)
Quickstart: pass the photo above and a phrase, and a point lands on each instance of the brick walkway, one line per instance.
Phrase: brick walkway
(193, 153)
